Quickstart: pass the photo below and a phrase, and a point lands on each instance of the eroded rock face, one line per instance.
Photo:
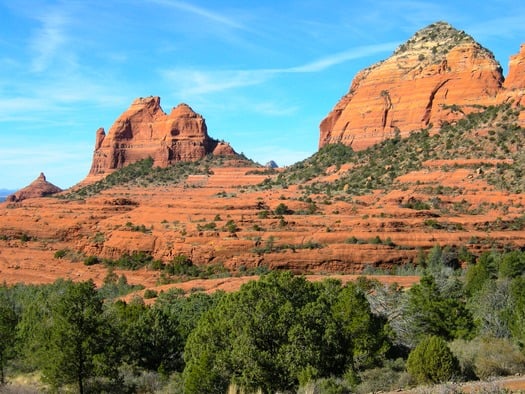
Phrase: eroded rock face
(516, 77)
(419, 86)
(515, 83)
(145, 130)
(40, 187)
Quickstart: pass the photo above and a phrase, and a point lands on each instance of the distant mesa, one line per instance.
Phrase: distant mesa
(40, 187)
(271, 164)
(145, 130)
(439, 75)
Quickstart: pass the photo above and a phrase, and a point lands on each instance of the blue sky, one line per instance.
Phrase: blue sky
(262, 73)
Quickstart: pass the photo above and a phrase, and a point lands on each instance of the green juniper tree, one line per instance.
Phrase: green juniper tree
(8, 321)
(70, 340)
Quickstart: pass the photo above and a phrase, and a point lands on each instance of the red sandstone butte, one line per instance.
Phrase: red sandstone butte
(40, 187)
(145, 130)
(438, 75)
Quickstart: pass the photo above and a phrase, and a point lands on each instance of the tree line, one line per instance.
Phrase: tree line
(281, 333)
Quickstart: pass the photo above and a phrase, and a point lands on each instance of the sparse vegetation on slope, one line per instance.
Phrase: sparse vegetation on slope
(434, 42)
(143, 174)
(490, 134)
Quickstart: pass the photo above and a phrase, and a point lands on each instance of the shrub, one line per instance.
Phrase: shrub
(390, 377)
(488, 357)
(91, 260)
(231, 227)
(182, 265)
(25, 238)
(512, 264)
(263, 214)
(375, 240)
(431, 361)
(157, 265)
(150, 293)
(59, 254)
(282, 209)
(133, 261)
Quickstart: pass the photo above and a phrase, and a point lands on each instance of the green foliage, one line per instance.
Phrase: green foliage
(516, 310)
(282, 209)
(70, 342)
(432, 361)
(378, 166)
(142, 173)
(59, 254)
(133, 261)
(150, 293)
(271, 247)
(279, 331)
(438, 311)
(182, 265)
(477, 274)
(91, 260)
(207, 226)
(8, 322)
(328, 156)
(416, 204)
(69, 254)
(116, 286)
(512, 264)
(138, 227)
(231, 227)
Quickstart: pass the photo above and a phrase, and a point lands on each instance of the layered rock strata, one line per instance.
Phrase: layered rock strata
(145, 130)
(438, 75)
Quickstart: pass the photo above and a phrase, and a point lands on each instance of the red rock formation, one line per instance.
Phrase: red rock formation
(421, 84)
(38, 188)
(145, 130)
(515, 83)
(516, 77)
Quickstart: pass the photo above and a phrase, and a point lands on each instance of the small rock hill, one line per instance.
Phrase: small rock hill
(145, 130)
(421, 86)
(40, 187)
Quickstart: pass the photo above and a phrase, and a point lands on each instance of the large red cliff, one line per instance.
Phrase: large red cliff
(438, 75)
(145, 130)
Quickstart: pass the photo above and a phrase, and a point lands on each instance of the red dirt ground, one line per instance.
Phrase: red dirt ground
(177, 220)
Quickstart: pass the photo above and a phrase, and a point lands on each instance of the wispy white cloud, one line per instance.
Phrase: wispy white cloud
(341, 57)
(201, 12)
(48, 39)
(192, 82)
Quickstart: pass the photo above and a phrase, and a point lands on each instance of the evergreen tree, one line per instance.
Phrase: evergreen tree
(437, 312)
(8, 321)
(280, 331)
(431, 361)
(75, 344)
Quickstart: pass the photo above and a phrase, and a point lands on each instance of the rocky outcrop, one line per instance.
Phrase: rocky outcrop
(516, 77)
(40, 187)
(438, 75)
(515, 83)
(145, 130)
